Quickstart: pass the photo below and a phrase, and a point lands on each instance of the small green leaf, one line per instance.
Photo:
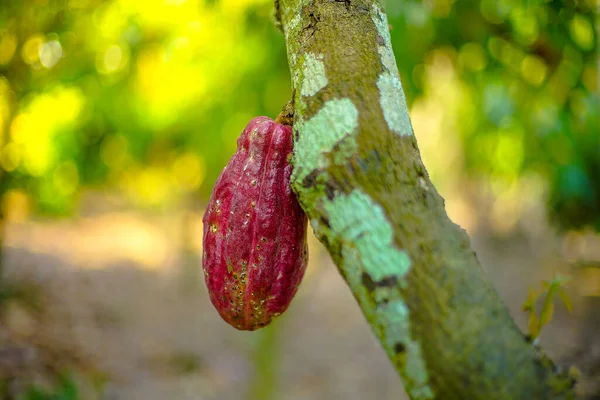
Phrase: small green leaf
(533, 326)
(529, 304)
(566, 300)
(546, 314)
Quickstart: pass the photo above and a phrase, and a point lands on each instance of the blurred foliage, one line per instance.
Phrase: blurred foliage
(550, 290)
(66, 389)
(149, 96)
(63, 387)
(146, 96)
(523, 81)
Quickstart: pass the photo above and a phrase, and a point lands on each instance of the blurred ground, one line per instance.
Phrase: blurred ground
(120, 299)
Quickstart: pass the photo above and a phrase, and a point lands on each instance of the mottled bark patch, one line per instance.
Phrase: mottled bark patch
(337, 117)
(392, 100)
(315, 77)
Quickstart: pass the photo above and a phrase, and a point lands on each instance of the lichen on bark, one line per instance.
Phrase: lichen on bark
(359, 177)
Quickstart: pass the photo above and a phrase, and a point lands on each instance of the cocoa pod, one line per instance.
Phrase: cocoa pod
(255, 249)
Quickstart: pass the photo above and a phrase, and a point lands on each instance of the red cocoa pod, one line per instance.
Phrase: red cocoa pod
(255, 250)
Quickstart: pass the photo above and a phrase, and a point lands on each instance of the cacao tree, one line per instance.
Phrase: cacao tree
(359, 176)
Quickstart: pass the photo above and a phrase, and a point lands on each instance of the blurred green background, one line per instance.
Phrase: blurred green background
(136, 105)
(149, 96)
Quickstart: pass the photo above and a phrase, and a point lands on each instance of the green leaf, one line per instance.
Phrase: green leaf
(529, 304)
(546, 314)
(566, 300)
(533, 326)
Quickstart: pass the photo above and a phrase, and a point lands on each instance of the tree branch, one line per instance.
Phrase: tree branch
(359, 176)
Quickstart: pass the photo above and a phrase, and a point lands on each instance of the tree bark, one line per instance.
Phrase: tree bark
(359, 176)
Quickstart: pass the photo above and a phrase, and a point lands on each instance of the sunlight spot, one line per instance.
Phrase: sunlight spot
(50, 53)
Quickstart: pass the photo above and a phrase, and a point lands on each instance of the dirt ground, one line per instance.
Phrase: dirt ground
(122, 299)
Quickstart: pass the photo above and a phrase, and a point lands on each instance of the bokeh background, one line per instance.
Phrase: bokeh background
(117, 116)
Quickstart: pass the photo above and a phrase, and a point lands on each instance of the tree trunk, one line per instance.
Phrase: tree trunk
(359, 176)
